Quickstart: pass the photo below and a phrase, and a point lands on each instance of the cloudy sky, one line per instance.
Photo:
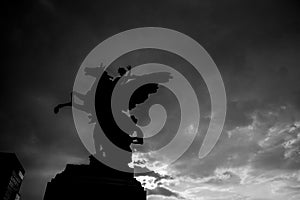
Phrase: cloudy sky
(255, 44)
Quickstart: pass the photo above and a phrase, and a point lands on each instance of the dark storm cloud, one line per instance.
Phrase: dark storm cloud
(239, 113)
(43, 142)
(255, 44)
(162, 191)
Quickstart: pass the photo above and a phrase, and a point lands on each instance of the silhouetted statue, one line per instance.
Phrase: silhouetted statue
(98, 107)
(59, 106)
(109, 83)
(83, 181)
(105, 116)
(88, 105)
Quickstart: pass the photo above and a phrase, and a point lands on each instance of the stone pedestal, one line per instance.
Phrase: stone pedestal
(94, 181)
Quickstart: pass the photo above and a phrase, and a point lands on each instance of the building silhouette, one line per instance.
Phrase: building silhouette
(12, 174)
(94, 181)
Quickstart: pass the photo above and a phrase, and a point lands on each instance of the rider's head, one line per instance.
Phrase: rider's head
(122, 71)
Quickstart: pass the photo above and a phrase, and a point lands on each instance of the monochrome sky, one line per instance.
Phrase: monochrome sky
(255, 44)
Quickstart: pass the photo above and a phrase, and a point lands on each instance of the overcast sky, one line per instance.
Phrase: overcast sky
(255, 44)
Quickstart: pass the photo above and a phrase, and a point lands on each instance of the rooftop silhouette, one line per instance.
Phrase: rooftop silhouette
(12, 174)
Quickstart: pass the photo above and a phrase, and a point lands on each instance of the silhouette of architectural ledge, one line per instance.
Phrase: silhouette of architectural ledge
(11, 176)
(94, 181)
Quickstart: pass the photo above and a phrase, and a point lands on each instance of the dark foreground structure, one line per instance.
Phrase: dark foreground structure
(11, 176)
(94, 181)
